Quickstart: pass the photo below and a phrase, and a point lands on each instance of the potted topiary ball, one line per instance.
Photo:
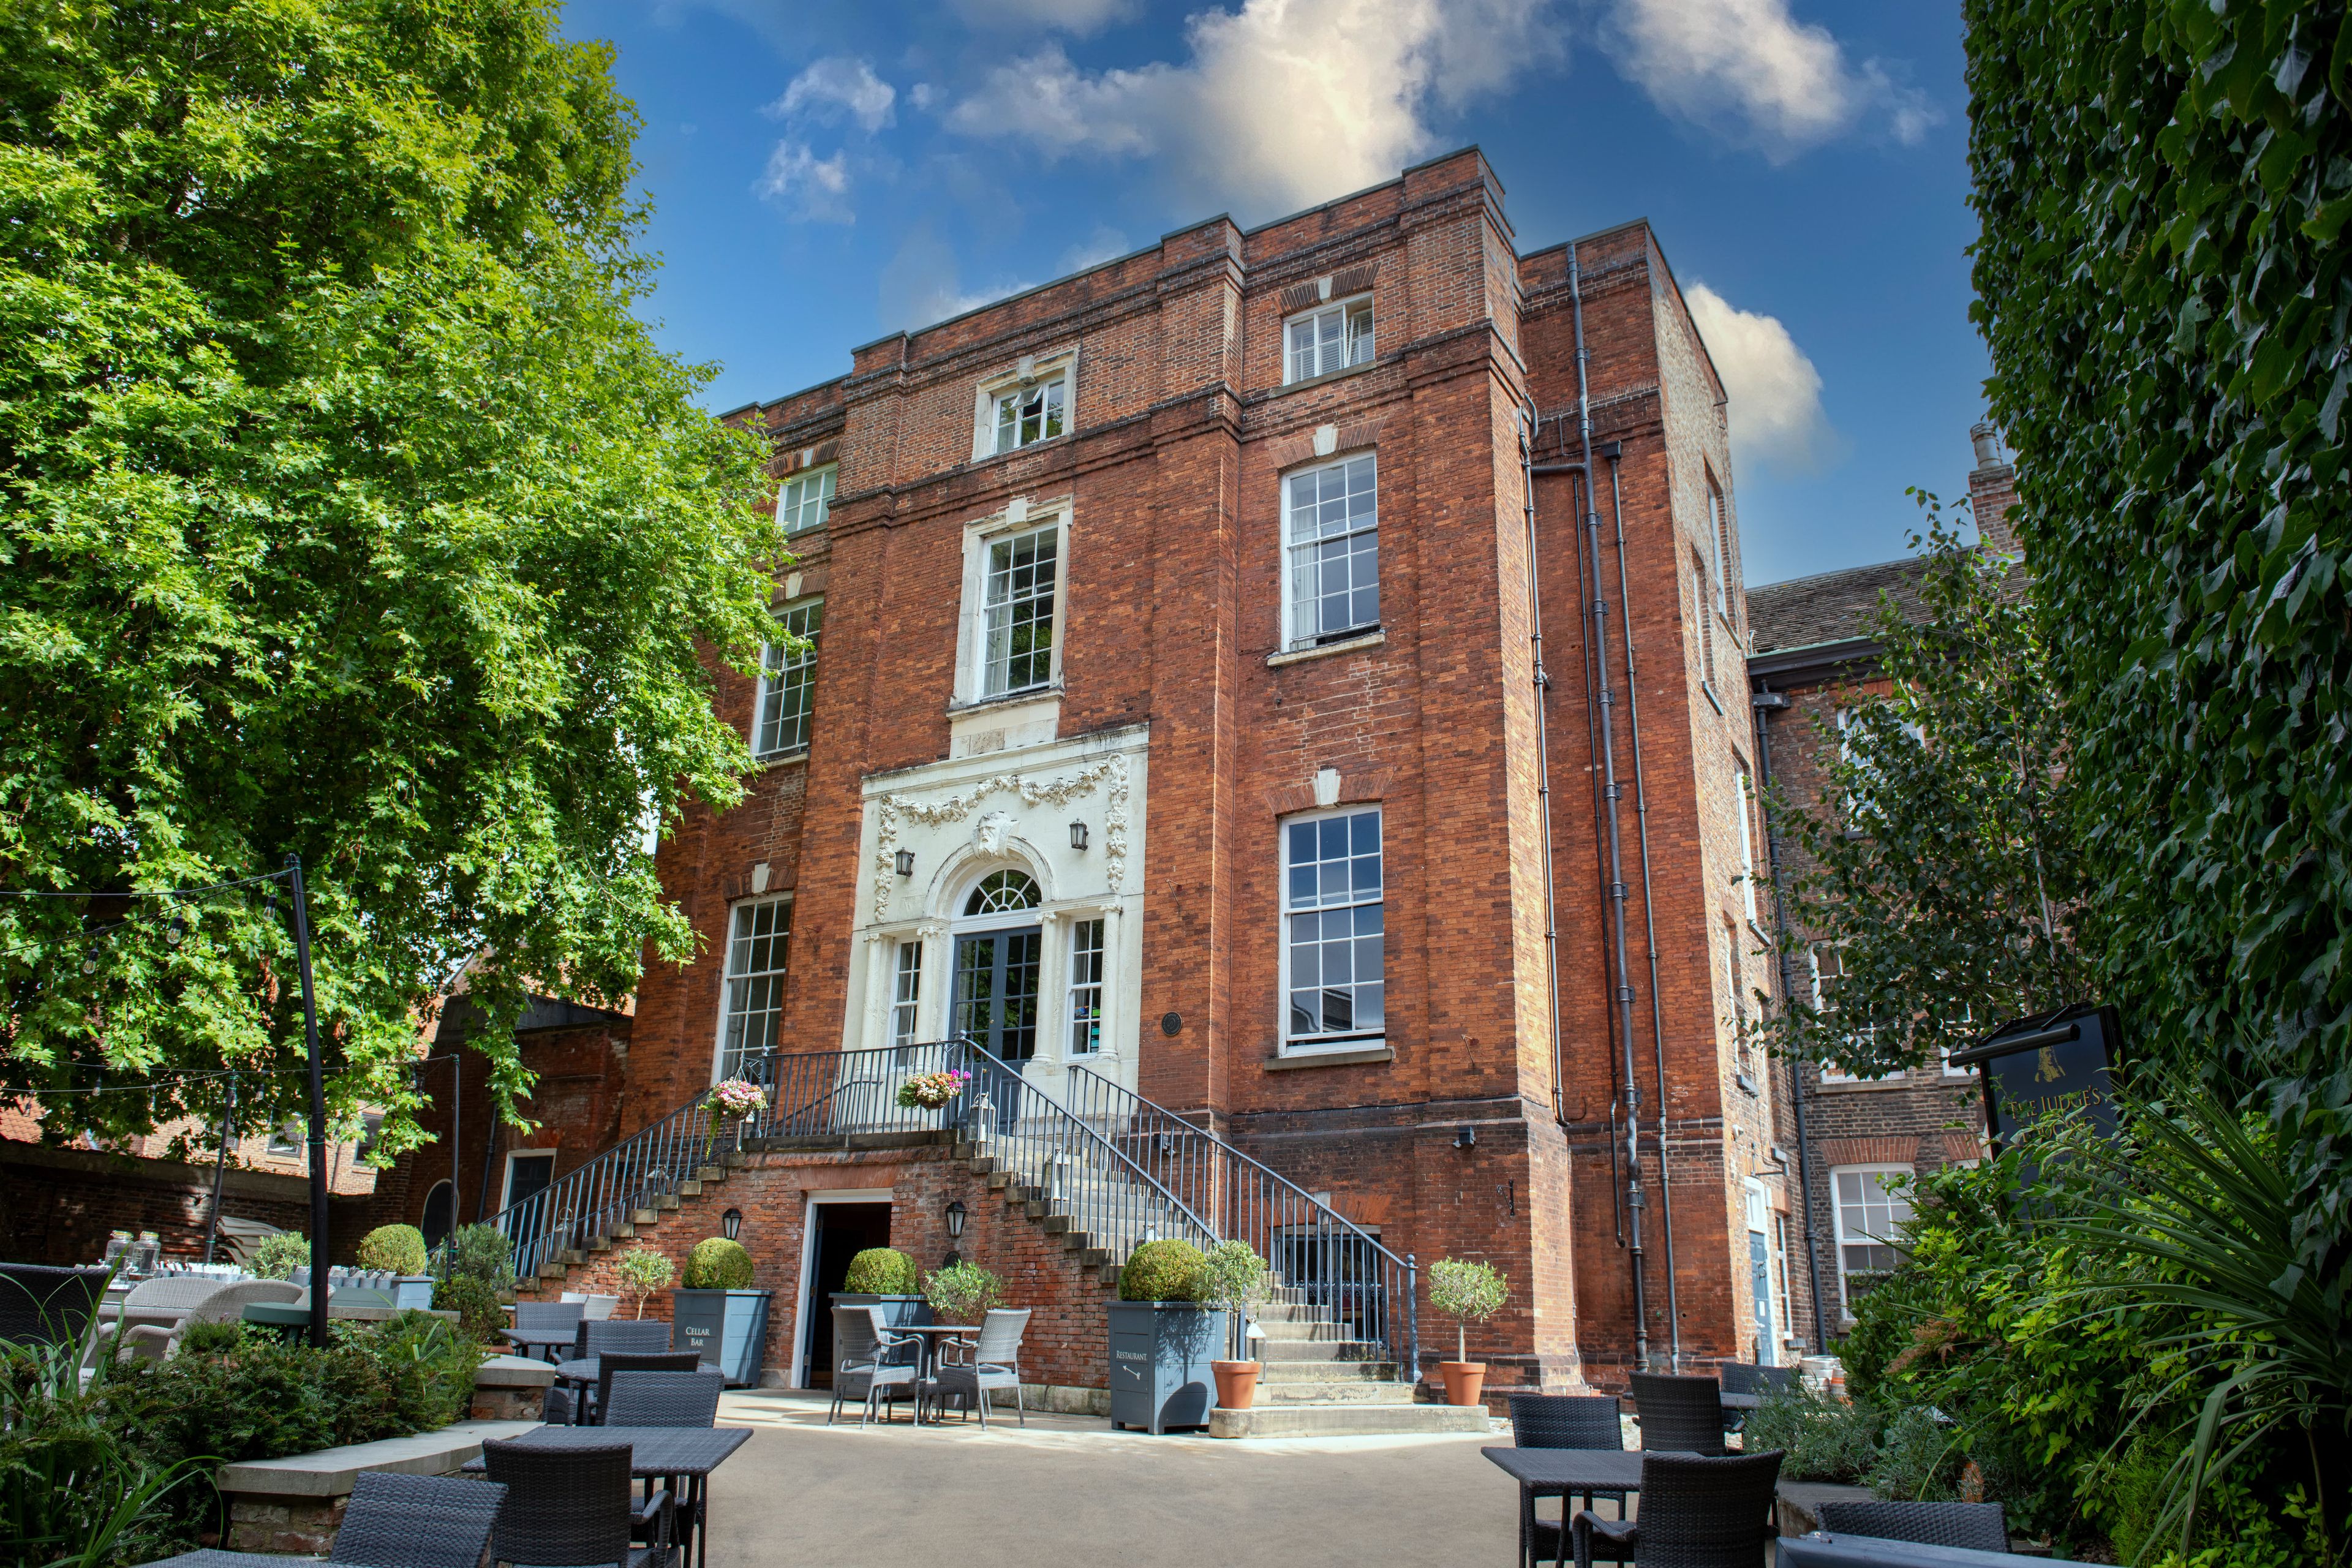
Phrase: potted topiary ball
(716, 1311)
(1468, 1292)
(886, 1278)
(1163, 1337)
(399, 1250)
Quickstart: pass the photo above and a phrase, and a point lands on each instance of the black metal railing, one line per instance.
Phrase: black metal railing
(1319, 1257)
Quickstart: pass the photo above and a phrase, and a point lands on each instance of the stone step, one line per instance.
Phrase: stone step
(644, 1217)
(1293, 1329)
(1346, 1420)
(1325, 1370)
(1366, 1391)
(711, 1174)
(1273, 1350)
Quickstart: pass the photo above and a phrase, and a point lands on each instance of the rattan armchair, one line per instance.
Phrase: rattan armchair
(870, 1364)
(570, 1508)
(1696, 1512)
(1561, 1421)
(1679, 1414)
(1978, 1526)
(637, 1336)
(40, 1305)
(418, 1521)
(664, 1398)
(611, 1363)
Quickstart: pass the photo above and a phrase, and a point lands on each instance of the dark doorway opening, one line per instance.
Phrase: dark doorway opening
(435, 1225)
(842, 1231)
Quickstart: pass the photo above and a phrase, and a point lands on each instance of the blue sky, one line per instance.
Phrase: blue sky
(823, 173)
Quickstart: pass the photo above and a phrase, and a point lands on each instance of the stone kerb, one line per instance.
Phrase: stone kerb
(296, 1504)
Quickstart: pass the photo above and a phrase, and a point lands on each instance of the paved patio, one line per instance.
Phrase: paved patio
(1069, 1490)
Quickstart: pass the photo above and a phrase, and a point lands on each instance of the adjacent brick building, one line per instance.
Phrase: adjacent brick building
(1812, 656)
(1190, 666)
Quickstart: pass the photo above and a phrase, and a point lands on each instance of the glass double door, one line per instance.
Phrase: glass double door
(996, 975)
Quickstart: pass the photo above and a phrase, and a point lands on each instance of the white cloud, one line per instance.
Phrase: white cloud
(1775, 411)
(1750, 65)
(835, 87)
(819, 186)
(1068, 15)
(1280, 104)
(1103, 245)
(920, 287)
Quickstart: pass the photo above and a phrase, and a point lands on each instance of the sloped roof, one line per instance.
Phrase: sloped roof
(1811, 612)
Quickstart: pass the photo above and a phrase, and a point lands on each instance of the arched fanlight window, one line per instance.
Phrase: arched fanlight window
(1000, 891)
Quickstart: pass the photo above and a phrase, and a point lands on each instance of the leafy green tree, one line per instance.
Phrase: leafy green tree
(1940, 866)
(345, 508)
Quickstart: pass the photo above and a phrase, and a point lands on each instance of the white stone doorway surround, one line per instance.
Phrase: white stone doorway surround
(1068, 814)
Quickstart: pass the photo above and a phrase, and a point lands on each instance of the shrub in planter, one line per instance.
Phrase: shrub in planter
(475, 1301)
(644, 1271)
(1234, 1277)
(1467, 1290)
(882, 1272)
(962, 1292)
(718, 1263)
(278, 1256)
(1824, 1440)
(1163, 1272)
(393, 1249)
(483, 1252)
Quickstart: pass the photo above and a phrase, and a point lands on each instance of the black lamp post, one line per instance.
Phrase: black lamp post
(319, 1251)
(731, 1222)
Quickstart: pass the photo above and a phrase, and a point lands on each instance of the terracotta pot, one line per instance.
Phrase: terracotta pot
(1464, 1381)
(1236, 1384)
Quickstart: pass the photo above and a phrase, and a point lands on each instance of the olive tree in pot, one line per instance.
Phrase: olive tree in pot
(644, 1271)
(962, 1293)
(1468, 1292)
(1235, 1279)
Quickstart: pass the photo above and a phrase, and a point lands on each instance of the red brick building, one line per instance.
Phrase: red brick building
(1226, 683)
(1812, 656)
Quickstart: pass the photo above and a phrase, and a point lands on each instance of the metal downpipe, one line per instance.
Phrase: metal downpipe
(1597, 629)
(1543, 765)
(1613, 452)
(1763, 711)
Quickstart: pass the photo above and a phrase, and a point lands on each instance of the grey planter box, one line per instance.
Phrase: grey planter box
(1160, 1356)
(727, 1328)
(898, 1311)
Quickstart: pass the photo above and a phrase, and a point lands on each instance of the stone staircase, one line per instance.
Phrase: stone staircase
(1316, 1384)
(553, 1273)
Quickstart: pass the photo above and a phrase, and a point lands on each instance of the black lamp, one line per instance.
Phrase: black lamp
(1078, 836)
(731, 1222)
(955, 1220)
(906, 860)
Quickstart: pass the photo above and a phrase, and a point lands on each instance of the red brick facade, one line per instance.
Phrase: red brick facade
(1172, 642)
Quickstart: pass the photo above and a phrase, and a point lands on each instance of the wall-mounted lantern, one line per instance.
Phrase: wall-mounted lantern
(956, 1213)
(731, 1222)
(905, 862)
(1078, 836)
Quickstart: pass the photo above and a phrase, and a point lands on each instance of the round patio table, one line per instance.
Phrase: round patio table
(927, 1346)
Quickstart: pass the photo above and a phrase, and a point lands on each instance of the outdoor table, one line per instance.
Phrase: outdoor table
(288, 1321)
(688, 1453)
(1563, 1472)
(927, 1348)
(543, 1342)
(210, 1559)
(1822, 1549)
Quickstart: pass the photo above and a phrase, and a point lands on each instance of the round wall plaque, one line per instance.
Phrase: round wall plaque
(1171, 1022)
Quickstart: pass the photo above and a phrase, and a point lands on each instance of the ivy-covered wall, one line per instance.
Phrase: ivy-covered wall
(2163, 186)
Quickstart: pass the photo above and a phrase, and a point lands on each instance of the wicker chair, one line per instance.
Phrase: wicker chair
(870, 1363)
(1561, 1421)
(570, 1508)
(995, 1363)
(40, 1305)
(1979, 1526)
(1746, 1377)
(664, 1398)
(1696, 1513)
(1679, 1414)
(555, 1316)
(610, 1363)
(222, 1304)
(418, 1521)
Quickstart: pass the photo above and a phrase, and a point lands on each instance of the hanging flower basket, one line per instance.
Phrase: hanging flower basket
(733, 1099)
(932, 1090)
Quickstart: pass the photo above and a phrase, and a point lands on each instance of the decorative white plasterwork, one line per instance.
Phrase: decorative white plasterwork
(933, 812)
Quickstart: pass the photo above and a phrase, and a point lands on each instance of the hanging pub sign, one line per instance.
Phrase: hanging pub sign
(2052, 1062)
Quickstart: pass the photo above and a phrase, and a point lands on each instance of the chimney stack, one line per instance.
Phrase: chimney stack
(1993, 490)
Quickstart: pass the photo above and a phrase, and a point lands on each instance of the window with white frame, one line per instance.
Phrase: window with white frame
(906, 993)
(1331, 525)
(1333, 974)
(286, 1138)
(1747, 843)
(788, 681)
(1085, 987)
(1871, 1204)
(1017, 611)
(759, 932)
(1706, 621)
(806, 500)
(1029, 413)
(1719, 537)
(1828, 967)
(1735, 986)
(1331, 337)
(1781, 1313)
